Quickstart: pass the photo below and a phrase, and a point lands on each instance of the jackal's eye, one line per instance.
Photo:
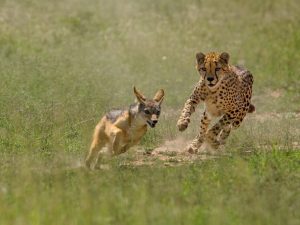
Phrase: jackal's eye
(146, 111)
(158, 113)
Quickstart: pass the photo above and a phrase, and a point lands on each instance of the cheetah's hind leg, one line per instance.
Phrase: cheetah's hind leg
(199, 139)
(219, 132)
(224, 135)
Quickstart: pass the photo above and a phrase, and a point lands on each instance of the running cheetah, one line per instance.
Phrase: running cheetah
(226, 91)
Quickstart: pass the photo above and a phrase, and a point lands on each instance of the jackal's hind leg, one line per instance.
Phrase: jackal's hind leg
(94, 153)
(97, 144)
(98, 160)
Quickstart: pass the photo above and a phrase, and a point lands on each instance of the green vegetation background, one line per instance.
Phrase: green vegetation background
(64, 63)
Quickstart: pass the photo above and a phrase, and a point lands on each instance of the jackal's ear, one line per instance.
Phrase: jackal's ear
(159, 96)
(224, 57)
(140, 97)
(200, 58)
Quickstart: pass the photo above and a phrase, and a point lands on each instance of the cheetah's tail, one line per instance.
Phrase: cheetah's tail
(251, 108)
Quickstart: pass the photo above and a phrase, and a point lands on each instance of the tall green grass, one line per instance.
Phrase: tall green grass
(258, 189)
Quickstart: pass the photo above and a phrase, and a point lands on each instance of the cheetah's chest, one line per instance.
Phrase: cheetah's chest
(213, 106)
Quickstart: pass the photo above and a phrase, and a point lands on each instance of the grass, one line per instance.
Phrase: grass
(258, 189)
(64, 63)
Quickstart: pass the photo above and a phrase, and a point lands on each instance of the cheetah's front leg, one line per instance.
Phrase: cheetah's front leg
(199, 139)
(188, 109)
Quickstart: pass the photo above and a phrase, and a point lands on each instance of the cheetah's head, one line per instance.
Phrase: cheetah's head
(212, 67)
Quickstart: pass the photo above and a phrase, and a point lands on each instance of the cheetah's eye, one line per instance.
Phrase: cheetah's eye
(218, 68)
(203, 69)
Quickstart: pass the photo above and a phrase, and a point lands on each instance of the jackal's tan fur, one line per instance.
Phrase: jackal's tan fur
(121, 129)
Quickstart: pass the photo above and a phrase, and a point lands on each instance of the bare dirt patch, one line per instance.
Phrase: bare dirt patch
(170, 153)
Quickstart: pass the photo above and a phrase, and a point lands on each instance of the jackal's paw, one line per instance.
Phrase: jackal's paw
(182, 124)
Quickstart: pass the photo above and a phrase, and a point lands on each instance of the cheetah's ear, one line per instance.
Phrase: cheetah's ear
(140, 97)
(200, 58)
(224, 57)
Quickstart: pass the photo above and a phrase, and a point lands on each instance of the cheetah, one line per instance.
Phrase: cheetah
(226, 91)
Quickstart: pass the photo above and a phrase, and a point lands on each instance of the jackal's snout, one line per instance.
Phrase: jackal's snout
(153, 121)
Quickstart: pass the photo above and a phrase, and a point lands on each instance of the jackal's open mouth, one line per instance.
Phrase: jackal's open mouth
(150, 123)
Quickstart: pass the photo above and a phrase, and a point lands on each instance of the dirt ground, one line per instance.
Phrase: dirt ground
(172, 152)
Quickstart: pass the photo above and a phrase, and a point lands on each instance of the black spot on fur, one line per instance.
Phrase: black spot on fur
(236, 123)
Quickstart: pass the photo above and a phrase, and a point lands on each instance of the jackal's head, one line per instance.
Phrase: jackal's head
(149, 109)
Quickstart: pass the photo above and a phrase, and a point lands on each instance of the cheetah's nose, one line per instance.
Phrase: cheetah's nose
(210, 79)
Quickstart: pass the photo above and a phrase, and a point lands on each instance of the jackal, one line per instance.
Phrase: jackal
(121, 129)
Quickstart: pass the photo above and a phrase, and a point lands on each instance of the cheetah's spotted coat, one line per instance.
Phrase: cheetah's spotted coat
(226, 91)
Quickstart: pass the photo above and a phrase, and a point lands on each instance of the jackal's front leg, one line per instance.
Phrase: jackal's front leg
(116, 137)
